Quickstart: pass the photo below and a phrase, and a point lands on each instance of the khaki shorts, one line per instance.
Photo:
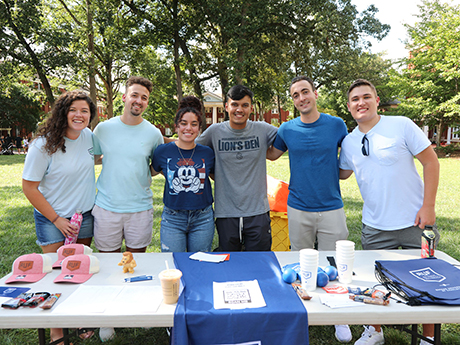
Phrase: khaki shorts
(110, 228)
(305, 228)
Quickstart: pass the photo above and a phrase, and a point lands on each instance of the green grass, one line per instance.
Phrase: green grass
(17, 237)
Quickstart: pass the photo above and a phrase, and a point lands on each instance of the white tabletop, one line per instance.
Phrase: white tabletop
(393, 314)
(111, 275)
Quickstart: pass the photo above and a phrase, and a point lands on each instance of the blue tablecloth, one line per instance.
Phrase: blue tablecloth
(196, 322)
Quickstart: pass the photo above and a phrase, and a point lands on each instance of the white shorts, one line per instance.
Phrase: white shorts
(305, 228)
(110, 228)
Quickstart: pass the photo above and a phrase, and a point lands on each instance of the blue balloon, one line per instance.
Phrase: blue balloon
(331, 271)
(289, 275)
(322, 279)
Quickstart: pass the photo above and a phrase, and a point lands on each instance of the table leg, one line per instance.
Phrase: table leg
(65, 333)
(413, 331)
(437, 334)
(41, 336)
(414, 334)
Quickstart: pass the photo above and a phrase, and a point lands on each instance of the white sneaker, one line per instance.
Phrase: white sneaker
(343, 333)
(106, 333)
(371, 337)
(424, 342)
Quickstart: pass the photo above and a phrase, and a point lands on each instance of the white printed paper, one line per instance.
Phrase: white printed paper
(112, 299)
(238, 295)
(208, 257)
(89, 299)
(339, 301)
(141, 299)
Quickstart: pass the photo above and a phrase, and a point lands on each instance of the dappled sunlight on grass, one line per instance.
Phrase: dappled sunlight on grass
(17, 237)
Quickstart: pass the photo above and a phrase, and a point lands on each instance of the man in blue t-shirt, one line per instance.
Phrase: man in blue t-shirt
(315, 206)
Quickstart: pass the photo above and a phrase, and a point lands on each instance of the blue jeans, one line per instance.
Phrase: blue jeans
(187, 230)
(47, 233)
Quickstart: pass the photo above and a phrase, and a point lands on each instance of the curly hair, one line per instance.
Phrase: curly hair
(189, 104)
(55, 126)
(141, 81)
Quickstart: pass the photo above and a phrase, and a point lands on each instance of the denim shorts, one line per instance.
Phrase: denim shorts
(187, 230)
(48, 233)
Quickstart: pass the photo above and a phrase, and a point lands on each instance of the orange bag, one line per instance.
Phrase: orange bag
(277, 193)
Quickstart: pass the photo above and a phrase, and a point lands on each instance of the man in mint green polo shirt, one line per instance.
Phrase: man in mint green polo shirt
(124, 207)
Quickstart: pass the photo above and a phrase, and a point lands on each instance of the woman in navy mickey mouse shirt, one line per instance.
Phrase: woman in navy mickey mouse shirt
(187, 222)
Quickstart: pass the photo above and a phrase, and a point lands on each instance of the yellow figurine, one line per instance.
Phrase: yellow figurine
(128, 262)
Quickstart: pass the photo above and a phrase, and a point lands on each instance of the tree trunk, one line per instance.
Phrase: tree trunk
(223, 77)
(439, 128)
(91, 77)
(280, 120)
(176, 54)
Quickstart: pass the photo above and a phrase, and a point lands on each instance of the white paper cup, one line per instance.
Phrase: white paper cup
(308, 277)
(345, 255)
(308, 259)
(345, 269)
(308, 253)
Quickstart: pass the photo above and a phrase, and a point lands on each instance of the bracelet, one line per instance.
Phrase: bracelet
(55, 219)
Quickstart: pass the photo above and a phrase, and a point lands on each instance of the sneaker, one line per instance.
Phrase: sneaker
(424, 342)
(371, 337)
(343, 333)
(106, 333)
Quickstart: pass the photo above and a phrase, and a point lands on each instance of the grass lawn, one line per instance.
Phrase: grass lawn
(17, 237)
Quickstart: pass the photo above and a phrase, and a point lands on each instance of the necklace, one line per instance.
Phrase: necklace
(188, 160)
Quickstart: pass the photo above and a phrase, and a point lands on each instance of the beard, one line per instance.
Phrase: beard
(136, 112)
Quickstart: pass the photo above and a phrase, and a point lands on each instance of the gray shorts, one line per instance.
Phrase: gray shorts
(110, 228)
(408, 238)
(306, 227)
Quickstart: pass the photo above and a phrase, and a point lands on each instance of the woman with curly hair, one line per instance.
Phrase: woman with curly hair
(58, 175)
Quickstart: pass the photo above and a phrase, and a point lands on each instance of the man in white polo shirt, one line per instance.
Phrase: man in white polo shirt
(397, 204)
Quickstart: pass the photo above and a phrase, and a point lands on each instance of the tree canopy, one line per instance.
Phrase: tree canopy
(260, 43)
(429, 84)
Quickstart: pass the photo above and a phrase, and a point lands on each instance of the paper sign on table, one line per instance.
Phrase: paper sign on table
(238, 295)
(339, 301)
(209, 257)
(137, 299)
(89, 299)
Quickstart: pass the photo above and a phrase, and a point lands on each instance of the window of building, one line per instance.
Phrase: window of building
(455, 133)
(208, 110)
(208, 121)
(220, 110)
(168, 131)
(275, 111)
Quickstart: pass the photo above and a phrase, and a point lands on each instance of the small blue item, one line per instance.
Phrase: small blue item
(331, 271)
(295, 267)
(322, 279)
(138, 279)
(289, 275)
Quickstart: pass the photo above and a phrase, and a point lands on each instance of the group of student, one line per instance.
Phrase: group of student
(7, 142)
(59, 177)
